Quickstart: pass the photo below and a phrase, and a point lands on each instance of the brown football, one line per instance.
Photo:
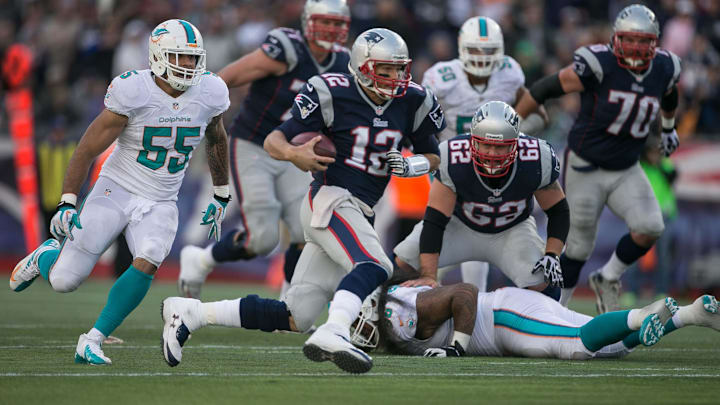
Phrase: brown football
(325, 147)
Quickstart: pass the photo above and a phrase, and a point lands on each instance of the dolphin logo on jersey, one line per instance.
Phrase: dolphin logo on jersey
(373, 38)
(305, 104)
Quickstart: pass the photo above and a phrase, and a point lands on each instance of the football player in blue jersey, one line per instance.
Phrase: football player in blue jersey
(622, 87)
(367, 114)
(269, 190)
(480, 204)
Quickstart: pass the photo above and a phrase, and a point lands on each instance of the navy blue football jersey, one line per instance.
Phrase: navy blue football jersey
(363, 132)
(491, 210)
(269, 101)
(617, 105)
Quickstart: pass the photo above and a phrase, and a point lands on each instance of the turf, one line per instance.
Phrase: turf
(39, 331)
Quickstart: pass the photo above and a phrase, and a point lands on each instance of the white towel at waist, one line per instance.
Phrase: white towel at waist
(330, 197)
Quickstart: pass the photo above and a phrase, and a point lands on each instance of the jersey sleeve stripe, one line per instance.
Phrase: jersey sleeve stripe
(423, 110)
(545, 164)
(290, 54)
(592, 61)
(325, 98)
(444, 171)
(676, 70)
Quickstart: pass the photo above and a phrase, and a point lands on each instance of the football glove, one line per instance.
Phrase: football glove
(214, 214)
(413, 166)
(669, 142)
(445, 351)
(63, 221)
(549, 265)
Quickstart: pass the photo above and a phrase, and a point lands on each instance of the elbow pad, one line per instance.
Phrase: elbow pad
(558, 224)
(669, 102)
(431, 237)
(547, 87)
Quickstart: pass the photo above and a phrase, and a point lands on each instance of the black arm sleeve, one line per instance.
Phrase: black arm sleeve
(431, 237)
(547, 87)
(558, 224)
(669, 102)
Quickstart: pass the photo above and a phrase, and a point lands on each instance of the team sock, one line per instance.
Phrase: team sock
(221, 313)
(605, 329)
(626, 253)
(125, 295)
(344, 308)
(632, 340)
(46, 261)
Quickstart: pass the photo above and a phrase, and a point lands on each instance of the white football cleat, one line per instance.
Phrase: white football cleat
(607, 292)
(27, 270)
(193, 271)
(664, 309)
(89, 351)
(651, 330)
(705, 311)
(176, 313)
(330, 342)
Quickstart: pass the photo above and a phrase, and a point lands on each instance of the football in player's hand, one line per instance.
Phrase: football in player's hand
(325, 147)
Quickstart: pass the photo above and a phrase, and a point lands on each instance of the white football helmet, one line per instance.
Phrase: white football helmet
(364, 332)
(325, 37)
(638, 22)
(481, 47)
(169, 40)
(494, 124)
(380, 46)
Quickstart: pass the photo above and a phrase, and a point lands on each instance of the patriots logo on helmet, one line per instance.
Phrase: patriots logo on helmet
(373, 38)
(305, 104)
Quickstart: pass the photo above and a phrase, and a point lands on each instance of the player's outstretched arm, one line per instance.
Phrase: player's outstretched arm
(552, 86)
(217, 151)
(534, 122)
(217, 157)
(302, 156)
(437, 215)
(251, 67)
(552, 200)
(101, 133)
(435, 306)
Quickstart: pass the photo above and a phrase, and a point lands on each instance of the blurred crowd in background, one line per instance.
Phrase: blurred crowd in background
(78, 46)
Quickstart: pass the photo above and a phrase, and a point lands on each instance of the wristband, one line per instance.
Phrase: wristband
(668, 124)
(222, 191)
(68, 198)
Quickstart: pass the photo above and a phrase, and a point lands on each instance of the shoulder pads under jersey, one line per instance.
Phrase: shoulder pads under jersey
(128, 92)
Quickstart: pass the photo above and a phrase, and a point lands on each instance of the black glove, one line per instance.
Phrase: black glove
(550, 267)
(455, 350)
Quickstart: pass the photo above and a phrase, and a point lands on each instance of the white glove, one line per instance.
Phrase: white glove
(214, 214)
(669, 142)
(445, 351)
(550, 267)
(63, 221)
(413, 166)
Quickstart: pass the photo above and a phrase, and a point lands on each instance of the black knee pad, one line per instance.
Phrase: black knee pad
(264, 314)
(571, 269)
(229, 249)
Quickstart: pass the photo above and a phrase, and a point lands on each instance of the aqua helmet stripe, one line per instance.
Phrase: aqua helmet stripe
(189, 32)
(483, 27)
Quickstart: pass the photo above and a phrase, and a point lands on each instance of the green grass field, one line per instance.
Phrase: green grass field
(39, 331)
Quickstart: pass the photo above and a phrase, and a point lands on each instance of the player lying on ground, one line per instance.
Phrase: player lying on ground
(456, 320)
(138, 184)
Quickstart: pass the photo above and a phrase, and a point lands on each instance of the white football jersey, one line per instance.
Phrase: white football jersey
(153, 151)
(460, 100)
(401, 311)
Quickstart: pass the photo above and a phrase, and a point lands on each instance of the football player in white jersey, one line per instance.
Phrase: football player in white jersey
(158, 116)
(457, 320)
(481, 73)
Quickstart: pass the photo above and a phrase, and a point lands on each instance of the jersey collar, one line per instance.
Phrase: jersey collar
(496, 192)
(379, 109)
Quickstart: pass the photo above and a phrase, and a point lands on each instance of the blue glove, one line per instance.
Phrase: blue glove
(63, 221)
(214, 214)
(550, 267)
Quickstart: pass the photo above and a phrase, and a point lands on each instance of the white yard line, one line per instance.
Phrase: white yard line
(594, 375)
